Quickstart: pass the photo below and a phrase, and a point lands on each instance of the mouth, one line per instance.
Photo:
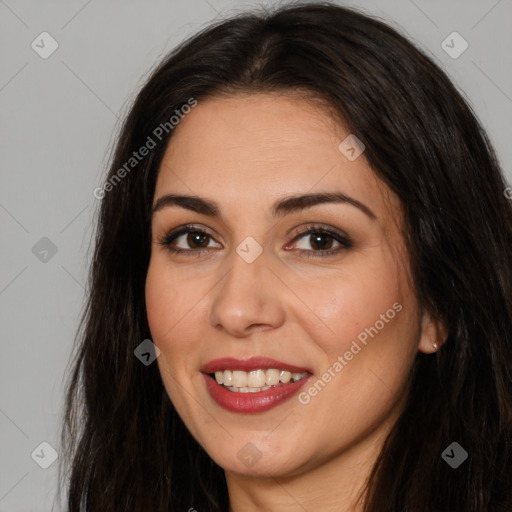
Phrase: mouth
(252, 385)
(255, 380)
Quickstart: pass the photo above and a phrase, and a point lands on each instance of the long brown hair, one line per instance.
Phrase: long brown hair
(127, 449)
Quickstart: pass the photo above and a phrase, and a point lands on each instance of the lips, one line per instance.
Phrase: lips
(247, 365)
(250, 403)
(253, 402)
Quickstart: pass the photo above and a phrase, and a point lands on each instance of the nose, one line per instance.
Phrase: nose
(248, 298)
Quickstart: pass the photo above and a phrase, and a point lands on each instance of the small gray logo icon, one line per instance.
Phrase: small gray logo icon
(147, 352)
(44, 455)
(249, 454)
(249, 249)
(351, 147)
(454, 45)
(454, 455)
(44, 250)
(44, 45)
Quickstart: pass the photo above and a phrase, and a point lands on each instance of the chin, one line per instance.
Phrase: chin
(254, 460)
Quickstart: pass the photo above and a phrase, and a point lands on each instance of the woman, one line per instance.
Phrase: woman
(301, 294)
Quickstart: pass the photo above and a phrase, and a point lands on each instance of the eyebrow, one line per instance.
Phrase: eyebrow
(279, 209)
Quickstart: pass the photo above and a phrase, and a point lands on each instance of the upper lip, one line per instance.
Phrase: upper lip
(247, 365)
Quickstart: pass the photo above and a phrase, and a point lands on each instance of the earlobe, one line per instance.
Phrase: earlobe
(433, 334)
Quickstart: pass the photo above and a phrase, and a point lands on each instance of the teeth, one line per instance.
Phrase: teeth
(227, 378)
(248, 390)
(239, 379)
(272, 377)
(255, 380)
(285, 376)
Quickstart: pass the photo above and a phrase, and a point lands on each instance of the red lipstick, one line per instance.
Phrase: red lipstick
(251, 402)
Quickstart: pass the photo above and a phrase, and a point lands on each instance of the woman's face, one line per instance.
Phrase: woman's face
(255, 286)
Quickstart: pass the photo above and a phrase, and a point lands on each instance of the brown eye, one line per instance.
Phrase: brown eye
(195, 240)
(197, 237)
(321, 240)
(318, 241)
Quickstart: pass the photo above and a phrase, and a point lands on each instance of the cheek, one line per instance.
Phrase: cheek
(158, 302)
(165, 307)
(373, 347)
(168, 301)
(175, 308)
(353, 301)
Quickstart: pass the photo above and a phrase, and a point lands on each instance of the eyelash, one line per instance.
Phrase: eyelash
(344, 240)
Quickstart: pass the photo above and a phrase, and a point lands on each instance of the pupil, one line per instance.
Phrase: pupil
(317, 237)
(192, 238)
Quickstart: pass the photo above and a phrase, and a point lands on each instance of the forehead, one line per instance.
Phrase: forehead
(256, 148)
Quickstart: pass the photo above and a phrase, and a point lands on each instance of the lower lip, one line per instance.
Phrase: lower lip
(252, 402)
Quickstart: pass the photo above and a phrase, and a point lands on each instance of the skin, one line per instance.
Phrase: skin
(245, 152)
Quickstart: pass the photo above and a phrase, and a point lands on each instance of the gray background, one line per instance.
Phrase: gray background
(58, 119)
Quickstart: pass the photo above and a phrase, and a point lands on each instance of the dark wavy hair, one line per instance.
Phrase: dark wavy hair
(125, 447)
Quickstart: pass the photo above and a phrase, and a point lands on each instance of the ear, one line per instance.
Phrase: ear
(433, 334)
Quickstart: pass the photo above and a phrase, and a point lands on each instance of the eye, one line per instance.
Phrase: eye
(196, 238)
(320, 238)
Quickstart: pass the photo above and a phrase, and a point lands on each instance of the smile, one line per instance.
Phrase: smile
(252, 385)
(255, 380)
